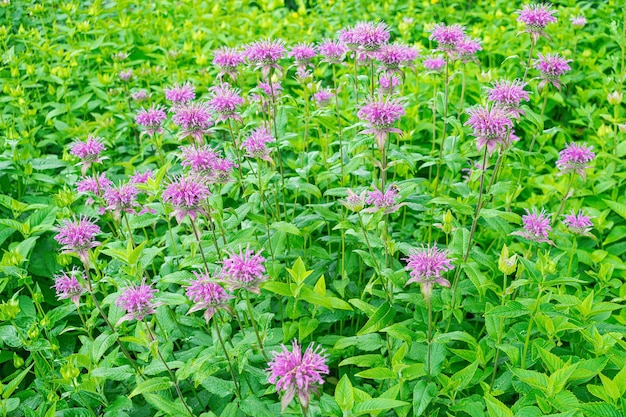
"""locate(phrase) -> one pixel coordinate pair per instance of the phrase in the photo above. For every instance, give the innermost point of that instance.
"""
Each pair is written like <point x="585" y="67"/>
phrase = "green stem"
<point x="230" y="365"/>
<point x="197" y="235"/>
<point x="500" y="329"/>
<point x="255" y="327"/>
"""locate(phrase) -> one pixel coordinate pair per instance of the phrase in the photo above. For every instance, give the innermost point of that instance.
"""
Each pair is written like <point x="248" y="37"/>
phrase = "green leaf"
<point x="382" y="318"/>
<point x="344" y="396"/>
<point x="457" y="206"/>
<point x="151" y="385"/>
<point x="376" y="405"/>
<point x="102" y="343"/>
<point x="15" y="382"/>
<point x="252" y="406"/>
<point x="423" y="394"/>
<point x="286" y="227"/>
<point x="496" y="408"/>
<point x="509" y="310"/>
<point x="169" y="407"/>
<point x="119" y="373"/>
<point x="600" y="410"/>
<point x="279" y="288"/>
<point x="616" y="207"/>
<point x="377" y="373"/>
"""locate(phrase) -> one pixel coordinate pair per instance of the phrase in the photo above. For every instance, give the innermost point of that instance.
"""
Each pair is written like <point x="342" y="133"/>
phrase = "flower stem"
<point x="529" y="329"/>
<point x="530" y="56"/>
<point x="236" y="146"/>
<point x="356" y="77"/>
<point x="564" y="199"/>
<point x="571" y="256"/>
<point x="338" y="122"/>
<point x="197" y="235"/>
<point x="262" y="195"/>
<point x="429" y="338"/>
<point x="500" y="329"/>
<point x="255" y="327"/>
<point x="230" y="365"/>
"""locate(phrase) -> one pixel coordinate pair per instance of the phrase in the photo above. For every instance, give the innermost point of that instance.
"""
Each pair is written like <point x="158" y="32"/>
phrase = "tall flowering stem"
<point x="564" y="198"/>
<point x="197" y="235"/>
<point x="445" y="124"/>
<point x="336" y="90"/>
<point x="230" y="365"/>
<point x="255" y="326"/>
<point x="236" y="146"/>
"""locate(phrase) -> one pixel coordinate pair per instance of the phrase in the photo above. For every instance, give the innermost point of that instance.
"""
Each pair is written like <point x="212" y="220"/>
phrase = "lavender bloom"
<point x="244" y="270"/>
<point x="180" y="93"/>
<point x="578" y="21"/>
<point x="200" y="159"/>
<point x="194" y="119"/>
<point x="141" y="177"/>
<point x="206" y="295"/>
<point x="393" y="56"/>
<point x="222" y="171"/>
<point x="578" y="224"/>
<point x="425" y="267"/>
<point x="536" y="226"/>
<point x="264" y="55"/>
<point x="256" y="144"/>
<point x="380" y="115"/>
<point x="94" y="184"/>
<point x="67" y="286"/>
<point x="151" y="119"/>
<point x="122" y="199"/>
<point x="466" y="49"/>
<point x="355" y="202"/>
<point x="186" y="194"/>
<point x="575" y="158"/>
<point x="388" y="83"/>
<point x="536" y="17"/>
<point x="383" y="200"/>
<point x="365" y="36"/>
<point x="323" y="97"/>
<point x="225" y="101"/>
<point x="491" y="126"/>
<point x="447" y="37"/>
<point x="303" y="53"/>
<point x="78" y="236"/>
<point x="228" y="59"/>
<point x="270" y="90"/>
<point x="434" y="63"/>
<point x="125" y="76"/>
<point x="508" y="95"/>
<point x="299" y="374"/>
<point x="139" y="95"/>
<point x="552" y="66"/>
<point x="88" y="151"/>
<point x="333" y="52"/>
<point x="120" y="56"/>
<point x="138" y="301"/>
<point x="303" y="74"/>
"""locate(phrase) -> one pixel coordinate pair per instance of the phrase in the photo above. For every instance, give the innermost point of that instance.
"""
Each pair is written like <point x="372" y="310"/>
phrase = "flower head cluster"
<point x="425" y="267"/>
<point x="355" y="202"/>
<point x="536" y="226"/>
<point x="575" y="158"/>
<point x="225" y="101"/>
<point x="388" y="82"/>
<point x="180" y="93"/>
<point x="323" y="97"/>
<point x="151" y="119"/>
<point x="139" y="95"/>
<point x="380" y="115"/>
<point x="222" y="171"/>
<point x="383" y="200"/>
<point x="88" y="151"/>
<point x="303" y="53"/>
<point x="255" y="145"/>
<point x="200" y="159"/>
<point x="491" y="126"/>
<point x="186" y="194"/>
<point x="244" y="270"/>
<point x="78" y="235"/>
<point x="265" y="54"/>
<point x="206" y="295"/>
<point x="333" y="52"/>
<point x="447" y="37"/>
<point x="508" y="95"/>
<point x="67" y="286"/>
<point x="125" y="76"/>
<point x="138" y="301"/>
<point x="466" y="49"/>
<point x="578" y="223"/>
<point x="194" y="119"/>
<point x="393" y="56"/>
<point x="122" y="199"/>
<point x="141" y="177"/>
<point x="297" y="374"/>
<point x="578" y="21"/>
<point x="536" y="17"/>
<point x="94" y="184"/>
<point x="552" y="66"/>
<point x="228" y="59"/>
<point x="434" y="63"/>
<point x="271" y="90"/>
<point x="365" y="36"/>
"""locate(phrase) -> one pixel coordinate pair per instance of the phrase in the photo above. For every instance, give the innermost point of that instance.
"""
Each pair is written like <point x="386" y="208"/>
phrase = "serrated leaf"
<point x="376" y="405"/>
<point x="286" y="227"/>
<point x="382" y="318"/>
<point x="377" y="373"/>
<point x="423" y="394"/>
<point x="169" y="407"/>
<point x="344" y="396"/>
<point x="509" y="310"/>
<point x="600" y="410"/>
<point x="102" y="343"/>
<point x="151" y="385"/>
<point x="496" y="408"/>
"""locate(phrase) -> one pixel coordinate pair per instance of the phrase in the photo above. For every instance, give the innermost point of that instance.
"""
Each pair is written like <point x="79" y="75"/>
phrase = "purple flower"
<point x="126" y="75"/>
<point x="222" y="171"/>
<point x="425" y="267"/>
<point x="186" y="194"/>
<point x="552" y="66"/>
<point x="180" y="93"/>
<point x="206" y="295"/>
<point x="365" y="36"/>
<point x="380" y="115"/>
<point x="434" y="63"/>
<point x="194" y="119"/>
<point x="78" y="236"/>
<point x="536" y="226"/>
<point x="200" y="159"/>
<point x="303" y="53"/>
<point x="137" y="301"/>
<point x="256" y="144"/>
<point x="508" y="95"/>
<point x="225" y="101"/>
<point x="94" y="184"/>
<point x="578" y="224"/>
<point x="88" y="151"/>
<point x="122" y="199"/>
<point x="536" y="17"/>
<point x="120" y="56"/>
<point x="151" y="119"/>
<point x="323" y="97"/>
<point x="578" y="21"/>
<point x="575" y="158"/>
<point x="356" y="202"/>
<point x="299" y="374"/>
<point x="466" y="49"/>
<point x="228" y="59"/>
<point x="264" y="55"/>
<point x="244" y="270"/>
<point x="388" y="83"/>
<point x="139" y="95"/>
<point x="447" y="37"/>
<point x="383" y="200"/>
<point x="67" y="286"/>
<point x="491" y="126"/>
<point x="333" y="52"/>
<point x="393" y="56"/>
<point x="270" y="90"/>
<point x="141" y="177"/>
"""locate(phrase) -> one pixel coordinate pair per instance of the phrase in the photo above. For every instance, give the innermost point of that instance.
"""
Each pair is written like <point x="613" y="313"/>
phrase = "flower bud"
<point x="614" y="98"/>
<point x="506" y="264"/>
<point x="69" y="371"/>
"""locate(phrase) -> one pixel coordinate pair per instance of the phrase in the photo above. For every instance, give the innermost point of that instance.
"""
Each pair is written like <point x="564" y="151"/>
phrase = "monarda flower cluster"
<point x="206" y="295"/>
<point x="365" y="36"/>
<point x="379" y="116"/>
<point x="491" y="126"/>
<point x="88" y="152"/>
<point x="426" y="266"/>
<point x="78" y="236"/>
<point x="244" y="270"/>
<point x="187" y="195"/>
<point x="228" y="60"/>
<point x="552" y="67"/>
<point x="578" y="223"/>
<point x="536" y="226"/>
<point x="194" y="119"/>
<point x="536" y="17"/>
<point x="265" y="54"/>
<point x="255" y="145"/>
<point x="137" y="301"/>
<point x="152" y="119"/>
<point x="67" y="286"/>
<point x="508" y="95"/>
<point x="575" y="158"/>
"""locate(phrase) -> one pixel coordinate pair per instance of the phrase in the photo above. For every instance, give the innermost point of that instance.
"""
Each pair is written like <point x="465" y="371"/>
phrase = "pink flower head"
<point x="200" y="159"/>
<point x="383" y="200"/>
<point x="139" y="95"/>
<point x="467" y="48"/>
<point x="274" y="89"/>
<point x="194" y="119"/>
<point x="88" y="151"/>
<point x="447" y="37"/>
<point x="508" y="95"/>
<point x="578" y="21"/>
<point x="206" y="295"/>
<point x="141" y="177"/>
<point x="78" y="236"/>
<point x="151" y="119"/>
<point x="356" y="202"/>
<point x="303" y="53"/>
<point x="122" y="199"/>
<point x="434" y="63"/>
<point x="536" y="17"/>
<point x="323" y="97"/>
<point x="365" y="36"/>
<point x="425" y="267"/>
<point x="137" y="301"/>
<point x="94" y="184"/>
<point x="552" y="66"/>
<point x="575" y="158"/>
<point x="222" y="171"/>
<point x="256" y="144"/>
<point x="299" y="374"/>
<point x="388" y="83"/>
<point x="578" y="224"/>
<point x="225" y="101"/>
<point x="186" y="194"/>
<point x="536" y="226"/>
<point x="67" y="286"/>
<point x="120" y="56"/>
<point x="244" y="270"/>
<point x="265" y="54"/>
<point x="379" y="116"/>
<point x="393" y="56"/>
<point x="228" y="59"/>
<point x="126" y="75"/>
<point x="491" y="126"/>
<point x="180" y="93"/>
<point x="333" y="52"/>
